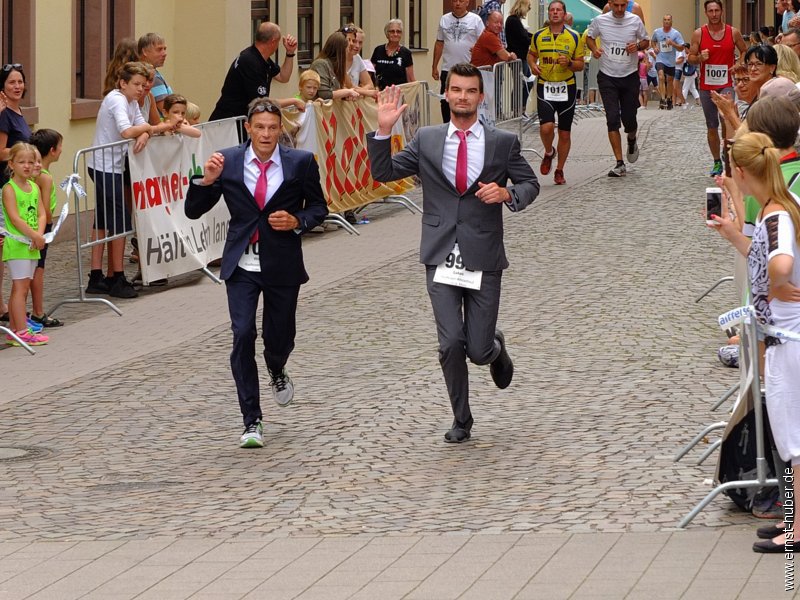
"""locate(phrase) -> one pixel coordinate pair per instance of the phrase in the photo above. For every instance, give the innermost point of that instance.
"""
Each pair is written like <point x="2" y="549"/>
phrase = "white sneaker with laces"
<point x="282" y="388"/>
<point x="253" y="436"/>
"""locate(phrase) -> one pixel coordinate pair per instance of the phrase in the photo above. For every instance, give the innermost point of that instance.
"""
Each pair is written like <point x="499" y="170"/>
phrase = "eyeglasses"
<point x="263" y="107"/>
<point x="401" y="31"/>
<point x="755" y="65"/>
<point x="740" y="80"/>
<point x="15" y="66"/>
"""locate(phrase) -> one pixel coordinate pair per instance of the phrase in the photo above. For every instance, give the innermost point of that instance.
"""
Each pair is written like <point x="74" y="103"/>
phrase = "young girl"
<point x="309" y="85"/>
<point x="175" y="114"/>
<point x="643" y="87"/>
<point x="119" y="118"/>
<point x="48" y="143"/>
<point x="24" y="216"/>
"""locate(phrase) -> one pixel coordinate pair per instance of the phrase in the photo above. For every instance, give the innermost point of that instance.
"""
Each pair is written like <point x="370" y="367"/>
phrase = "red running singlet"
<point x="715" y="73"/>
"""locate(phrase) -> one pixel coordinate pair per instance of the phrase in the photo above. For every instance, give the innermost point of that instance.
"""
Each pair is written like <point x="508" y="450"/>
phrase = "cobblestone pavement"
<point x="615" y="369"/>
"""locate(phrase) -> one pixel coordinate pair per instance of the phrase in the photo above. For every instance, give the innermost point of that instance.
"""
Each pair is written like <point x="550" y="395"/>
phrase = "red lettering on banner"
<point x="158" y="191"/>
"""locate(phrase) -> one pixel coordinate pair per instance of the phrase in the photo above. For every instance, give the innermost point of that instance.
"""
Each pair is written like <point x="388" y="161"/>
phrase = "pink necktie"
<point x="461" y="162"/>
<point x="261" y="190"/>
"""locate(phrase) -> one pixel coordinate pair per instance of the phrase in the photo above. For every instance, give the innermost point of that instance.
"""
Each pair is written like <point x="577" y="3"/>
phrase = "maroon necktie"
<point x="261" y="191"/>
<point x="461" y="162"/>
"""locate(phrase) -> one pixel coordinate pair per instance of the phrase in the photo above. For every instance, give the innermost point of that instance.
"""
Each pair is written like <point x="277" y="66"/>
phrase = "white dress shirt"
<point x="476" y="150"/>
<point x="252" y="172"/>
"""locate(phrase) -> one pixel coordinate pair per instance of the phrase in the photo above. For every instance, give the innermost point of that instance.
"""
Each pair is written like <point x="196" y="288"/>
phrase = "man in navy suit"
<point x="274" y="195"/>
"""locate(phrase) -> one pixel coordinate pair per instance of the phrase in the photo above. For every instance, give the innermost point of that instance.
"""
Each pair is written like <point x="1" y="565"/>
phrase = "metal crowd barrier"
<point x="101" y="158"/>
<point x="748" y="360"/>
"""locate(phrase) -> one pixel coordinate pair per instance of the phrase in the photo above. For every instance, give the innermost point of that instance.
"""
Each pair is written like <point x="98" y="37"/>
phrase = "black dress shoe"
<point x="502" y="369"/>
<point x="768" y="547"/>
<point x="457" y="435"/>
<point x="768" y="532"/>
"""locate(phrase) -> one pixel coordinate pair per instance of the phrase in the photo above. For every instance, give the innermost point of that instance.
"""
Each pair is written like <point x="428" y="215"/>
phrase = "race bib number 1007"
<point x="716" y="74"/>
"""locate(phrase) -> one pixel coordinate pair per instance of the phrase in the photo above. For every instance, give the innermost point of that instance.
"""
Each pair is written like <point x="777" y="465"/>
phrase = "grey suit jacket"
<point x="449" y="216"/>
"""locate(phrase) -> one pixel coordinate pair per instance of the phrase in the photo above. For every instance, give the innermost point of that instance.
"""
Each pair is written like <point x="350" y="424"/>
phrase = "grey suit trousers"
<point x="465" y="323"/>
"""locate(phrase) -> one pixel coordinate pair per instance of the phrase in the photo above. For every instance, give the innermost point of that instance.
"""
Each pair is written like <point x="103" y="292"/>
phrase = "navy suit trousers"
<point x="278" y="326"/>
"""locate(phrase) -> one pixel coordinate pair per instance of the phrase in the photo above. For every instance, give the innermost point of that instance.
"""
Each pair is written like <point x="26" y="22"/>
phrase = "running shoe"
<point x="716" y="169"/>
<point x="669" y="103"/>
<point x="618" y="171"/>
<point x="547" y="162"/>
<point x="729" y="356"/>
<point x="282" y="388"/>
<point x="633" y="151"/>
<point x="33" y="326"/>
<point x="661" y="104"/>
<point x="558" y="177"/>
<point x="30" y="338"/>
<point x="253" y="436"/>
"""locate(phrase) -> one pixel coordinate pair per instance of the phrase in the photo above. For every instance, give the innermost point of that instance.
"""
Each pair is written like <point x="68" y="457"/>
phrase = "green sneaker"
<point x="716" y="169"/>
<point x="253" y="436"/>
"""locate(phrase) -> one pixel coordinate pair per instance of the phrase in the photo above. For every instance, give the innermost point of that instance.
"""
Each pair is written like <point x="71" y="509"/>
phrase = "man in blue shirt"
<point x="666" y="40"/>
<point x="153" y="49"/>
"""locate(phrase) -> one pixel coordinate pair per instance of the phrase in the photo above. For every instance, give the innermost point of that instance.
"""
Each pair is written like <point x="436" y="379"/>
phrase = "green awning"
<point x="583" y="12"/>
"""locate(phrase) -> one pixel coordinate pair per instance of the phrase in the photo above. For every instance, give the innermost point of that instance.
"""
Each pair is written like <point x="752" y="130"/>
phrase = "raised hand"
<point x="213" y="168"/>
<point x="290" y="44"/>
<point x="389" y="109"/>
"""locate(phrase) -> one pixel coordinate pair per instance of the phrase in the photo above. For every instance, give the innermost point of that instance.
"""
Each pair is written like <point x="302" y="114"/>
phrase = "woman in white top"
<point x="355" y="65"/>
<point x="773" y="263"/>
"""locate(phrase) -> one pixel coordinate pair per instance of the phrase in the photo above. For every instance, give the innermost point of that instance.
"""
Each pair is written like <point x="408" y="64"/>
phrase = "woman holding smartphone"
<point x="773" y="263"/>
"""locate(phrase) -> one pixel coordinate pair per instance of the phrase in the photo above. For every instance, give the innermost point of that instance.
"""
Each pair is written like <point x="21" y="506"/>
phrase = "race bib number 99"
<point x="716" y="74"/>
<point x="555" y="91"/>
<point x="453" y="272"/>
<point x="663" y="46"/>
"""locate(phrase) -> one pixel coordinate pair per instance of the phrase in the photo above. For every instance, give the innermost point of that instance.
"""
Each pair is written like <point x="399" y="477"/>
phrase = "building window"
<point x="305" y="31"/>
<point x="347" y="12"/>
<point x="18" y="46"/>
<point x="415" y="18"/>
<point x="98" y="26"/>
<point x="261" y="11"/>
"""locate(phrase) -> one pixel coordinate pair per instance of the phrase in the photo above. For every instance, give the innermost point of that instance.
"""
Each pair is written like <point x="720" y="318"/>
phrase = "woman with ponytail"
<point x="773" y="262"/>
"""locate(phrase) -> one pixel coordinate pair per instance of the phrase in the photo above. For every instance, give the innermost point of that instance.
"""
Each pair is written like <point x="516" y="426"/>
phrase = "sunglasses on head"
<point x="264" y="107"/>
<point x="348" y="30"/>
<point x="8" y="66"/>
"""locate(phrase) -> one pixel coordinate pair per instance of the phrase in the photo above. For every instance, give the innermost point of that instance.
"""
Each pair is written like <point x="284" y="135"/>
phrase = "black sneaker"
<point x="350" y="217"/>
<point x="98" y="285"/>
<point x="669" y="103"/>
<point x="122" y="288"/>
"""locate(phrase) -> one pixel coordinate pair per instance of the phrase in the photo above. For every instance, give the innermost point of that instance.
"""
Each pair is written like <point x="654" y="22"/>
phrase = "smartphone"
<point x="713" y="204"/>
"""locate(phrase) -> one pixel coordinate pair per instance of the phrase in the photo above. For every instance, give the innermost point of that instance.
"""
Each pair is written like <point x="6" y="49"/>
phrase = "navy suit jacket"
<point x="300" y="194"/>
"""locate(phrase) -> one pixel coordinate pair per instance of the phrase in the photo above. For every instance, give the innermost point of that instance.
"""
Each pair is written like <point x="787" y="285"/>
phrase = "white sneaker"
<point x="253" y="436"/>
<point x="618" y="171"/>
<point x="282" y="388"/>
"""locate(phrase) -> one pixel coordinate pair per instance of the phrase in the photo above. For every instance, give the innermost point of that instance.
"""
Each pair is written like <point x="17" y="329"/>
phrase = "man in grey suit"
<point x="464" y="167"/>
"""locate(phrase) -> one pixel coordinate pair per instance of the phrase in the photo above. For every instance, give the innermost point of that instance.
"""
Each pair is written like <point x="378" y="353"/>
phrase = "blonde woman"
<point x="355" y="66"/>
<point x="788" y="63"/>
<point x="519" y="38"/>
<point x="773" y="261"/>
